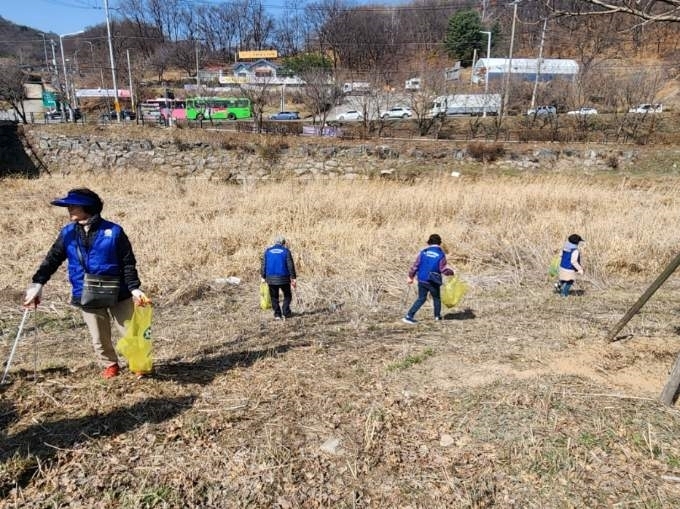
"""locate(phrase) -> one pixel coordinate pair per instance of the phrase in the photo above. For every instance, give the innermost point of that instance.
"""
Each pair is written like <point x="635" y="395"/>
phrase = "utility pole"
<point x="47" y="63"/>
<point x="474" y="61"/>
<point x="63" y="64"/>
<point x="116" y="104"/>
<point x="486" y="76"/>
<point x="132" y="96"/>
<point x="512" y="43"/>
<point x="54" y="59"/>
<point x="538" y="64"/>
<point x="198" y="77"/>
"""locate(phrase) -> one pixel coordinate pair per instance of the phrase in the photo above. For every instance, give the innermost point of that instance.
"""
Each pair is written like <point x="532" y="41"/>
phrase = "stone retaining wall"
<point x="273" y="158"/>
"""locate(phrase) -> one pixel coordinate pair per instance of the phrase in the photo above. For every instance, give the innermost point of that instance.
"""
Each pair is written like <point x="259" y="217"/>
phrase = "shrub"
<point x="485" y="152"/>
<point x="613" y="161"/>
<point x="180" y="143"/>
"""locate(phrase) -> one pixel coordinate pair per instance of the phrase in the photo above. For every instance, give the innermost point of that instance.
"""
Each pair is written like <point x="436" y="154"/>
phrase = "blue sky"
<point x="61" y="16"/>
<point x="55" y="16"/>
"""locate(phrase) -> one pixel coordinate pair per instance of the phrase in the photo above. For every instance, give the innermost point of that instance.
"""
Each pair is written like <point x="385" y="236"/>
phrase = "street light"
<point x="116" y="105"/>
<point x="486" y="77"/>
<point x="512" y="43"/>
<point x="63" y="64"/>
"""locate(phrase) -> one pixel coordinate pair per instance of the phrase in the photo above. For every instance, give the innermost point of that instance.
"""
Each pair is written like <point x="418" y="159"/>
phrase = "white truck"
<point x="356" y="88"/>
<point x="466" y="104"/>
<point x="647" y="108"/>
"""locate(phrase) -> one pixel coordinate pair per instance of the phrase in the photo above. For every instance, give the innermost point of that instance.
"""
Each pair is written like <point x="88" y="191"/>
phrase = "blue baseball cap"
<point x="75" y="198"/>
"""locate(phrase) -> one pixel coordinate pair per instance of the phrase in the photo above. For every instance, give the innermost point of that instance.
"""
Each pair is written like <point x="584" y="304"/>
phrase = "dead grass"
<point x="514" y="400"/>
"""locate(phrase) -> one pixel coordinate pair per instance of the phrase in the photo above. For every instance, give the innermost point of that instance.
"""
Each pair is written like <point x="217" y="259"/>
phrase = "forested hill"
<point x="22" y="43"/>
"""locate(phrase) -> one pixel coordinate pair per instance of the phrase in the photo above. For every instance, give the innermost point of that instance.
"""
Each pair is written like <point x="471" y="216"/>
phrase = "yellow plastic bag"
<point x="554" y="268"/>
<point x="265" y="298"/>
<point x="452" y="291"/>
<point x="135" y="346"/>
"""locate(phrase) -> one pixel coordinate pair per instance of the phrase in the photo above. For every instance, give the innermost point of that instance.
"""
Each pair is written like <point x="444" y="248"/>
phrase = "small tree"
<point x="303" y="62"/>
<point x="12" y="89"/>
<point x="464" y="35"/>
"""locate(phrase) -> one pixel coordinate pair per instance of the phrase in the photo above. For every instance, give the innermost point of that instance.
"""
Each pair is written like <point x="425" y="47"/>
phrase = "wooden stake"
<point x="670" y="391"/>
<point x="644" y="297"/>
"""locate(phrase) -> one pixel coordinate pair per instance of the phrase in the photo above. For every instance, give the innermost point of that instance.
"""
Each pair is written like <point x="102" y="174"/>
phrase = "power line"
<point x="78" y="5"/>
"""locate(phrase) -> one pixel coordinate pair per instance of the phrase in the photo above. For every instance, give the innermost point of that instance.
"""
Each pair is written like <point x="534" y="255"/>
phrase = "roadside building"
<point x="525" y="69"/>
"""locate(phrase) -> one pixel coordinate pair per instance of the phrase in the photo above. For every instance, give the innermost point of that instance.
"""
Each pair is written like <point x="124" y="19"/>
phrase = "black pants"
<point x="287" y="297"/>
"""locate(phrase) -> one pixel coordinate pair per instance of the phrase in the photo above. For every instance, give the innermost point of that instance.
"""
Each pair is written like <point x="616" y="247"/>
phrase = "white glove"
<point x="33" y="293"/>
<point x="140" y="297"/>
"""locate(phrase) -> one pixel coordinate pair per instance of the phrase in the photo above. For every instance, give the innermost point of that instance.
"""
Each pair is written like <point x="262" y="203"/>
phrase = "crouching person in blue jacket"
<point x="570" y="264"/>
<point x="428" y="266"/>
<point x="278" y="270"/>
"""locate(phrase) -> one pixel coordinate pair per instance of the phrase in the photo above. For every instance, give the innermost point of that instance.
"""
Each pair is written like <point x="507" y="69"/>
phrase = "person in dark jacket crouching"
<point x="278" y="270"/>
<point x="96" y="248"/>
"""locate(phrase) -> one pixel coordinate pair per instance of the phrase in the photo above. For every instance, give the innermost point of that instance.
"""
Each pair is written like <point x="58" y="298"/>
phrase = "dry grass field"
<point x="514" y="400"/>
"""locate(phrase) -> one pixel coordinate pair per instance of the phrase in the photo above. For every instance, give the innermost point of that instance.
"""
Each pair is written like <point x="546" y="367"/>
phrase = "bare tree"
<point x="366" y="39"/>
<point x="216" y="27"/>
<point x="184" y="55"/>
<point x="289" y="32"/>
<point x="320" y="18"/>
<point x="260" y="95"/>
<point x="260" y="25"/>
<point x="160" y="60"/>
<point x="319" y="92"/>
<point x="651" y="10"/>
<point x="12" y="87"/>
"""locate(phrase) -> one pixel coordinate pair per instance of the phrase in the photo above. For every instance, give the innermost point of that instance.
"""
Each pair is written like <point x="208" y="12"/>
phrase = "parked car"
<point x="111" y="116"/>
<point x="583" y="111"/>
<point x="286" y="115"/>
<point x="542" y="111"/>
<point x="647" y="108"/>
<point x="350" y="115"/>
<point x="57" y="114"/>
<point x="398" y="112"/>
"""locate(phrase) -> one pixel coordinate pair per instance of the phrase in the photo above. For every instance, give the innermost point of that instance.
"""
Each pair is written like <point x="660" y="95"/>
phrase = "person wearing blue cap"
<point x="99" y="255"/>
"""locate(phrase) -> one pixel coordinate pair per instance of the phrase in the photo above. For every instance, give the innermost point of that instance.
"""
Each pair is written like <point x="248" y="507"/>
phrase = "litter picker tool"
<point x="407" y="290"/>
<point x="14" y="346"/>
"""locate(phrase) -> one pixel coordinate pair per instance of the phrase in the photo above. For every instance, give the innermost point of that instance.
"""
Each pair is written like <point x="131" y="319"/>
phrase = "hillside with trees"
<point x="620" y="53"/>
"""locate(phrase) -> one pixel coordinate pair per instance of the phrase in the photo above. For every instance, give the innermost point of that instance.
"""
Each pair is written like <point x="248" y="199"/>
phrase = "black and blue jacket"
<point x="105" y="250"/>
<point x="429" y="265"/>
<point x="277" y="267"/>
